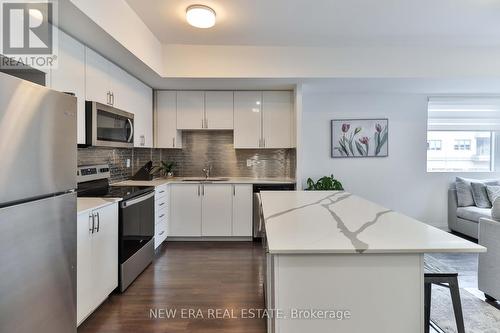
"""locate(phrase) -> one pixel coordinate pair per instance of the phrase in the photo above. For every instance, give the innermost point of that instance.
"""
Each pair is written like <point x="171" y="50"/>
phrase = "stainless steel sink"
<point x="206" y="180"/>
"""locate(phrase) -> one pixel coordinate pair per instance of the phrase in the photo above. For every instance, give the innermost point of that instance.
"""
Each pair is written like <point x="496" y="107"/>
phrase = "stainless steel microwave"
<point x="107" y="126"/>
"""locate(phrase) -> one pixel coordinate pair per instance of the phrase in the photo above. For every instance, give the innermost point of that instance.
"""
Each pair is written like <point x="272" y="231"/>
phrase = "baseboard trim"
<point x="209" y="239"/>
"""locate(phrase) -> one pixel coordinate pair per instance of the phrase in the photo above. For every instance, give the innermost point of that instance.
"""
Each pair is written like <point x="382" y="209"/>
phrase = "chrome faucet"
<point x="206" y="170"/>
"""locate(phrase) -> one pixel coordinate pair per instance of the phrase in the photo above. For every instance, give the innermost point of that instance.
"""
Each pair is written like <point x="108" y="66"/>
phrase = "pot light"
<point x="200" y="16"/>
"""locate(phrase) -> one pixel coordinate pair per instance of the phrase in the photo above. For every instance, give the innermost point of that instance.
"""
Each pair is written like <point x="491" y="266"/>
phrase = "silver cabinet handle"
<point x="98" y="221"/>
<point x="163" y="191"/>
<point x="234" y="190"/>
<point x="161" y="233"/>
<point x="112" y="98"/>
<point x="91" y="226"/>
<point x="173" y="142"/>
<point x="161" y="204"/>
<point x="202" y="123"/>
<point x="206" y="122"/>
<point x="108" y="98"/>
<point x="203" y="190"/>
<point x="199" y="190"/>
<point x="161" y="216"/>
<point x="264" y="140"/>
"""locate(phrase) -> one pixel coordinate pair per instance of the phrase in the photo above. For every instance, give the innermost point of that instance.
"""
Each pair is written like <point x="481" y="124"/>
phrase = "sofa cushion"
<point x="480" y="194"/>
<point x="495" y="210"/>
<point x="464" y="192"/>
<point x="473" y="213"/>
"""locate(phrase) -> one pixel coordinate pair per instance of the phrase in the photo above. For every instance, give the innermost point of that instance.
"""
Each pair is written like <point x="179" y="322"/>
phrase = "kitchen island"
<point x="340" y="263"/>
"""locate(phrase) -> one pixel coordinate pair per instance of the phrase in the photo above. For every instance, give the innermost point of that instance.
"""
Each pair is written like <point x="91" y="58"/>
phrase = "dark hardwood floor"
<point x="216" y="275"/>
<point x="194" y="275"/>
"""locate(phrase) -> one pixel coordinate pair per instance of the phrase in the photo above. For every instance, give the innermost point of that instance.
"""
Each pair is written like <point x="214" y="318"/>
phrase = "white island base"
<point x="369" y="293"/>
<point x="333" y="254"/>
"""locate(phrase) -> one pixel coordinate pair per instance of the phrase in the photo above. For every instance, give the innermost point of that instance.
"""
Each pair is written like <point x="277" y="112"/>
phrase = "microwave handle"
<point x="131" y="130"/>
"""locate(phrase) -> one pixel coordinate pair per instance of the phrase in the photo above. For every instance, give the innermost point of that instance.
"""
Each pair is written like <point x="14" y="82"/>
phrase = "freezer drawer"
<point x="38" y="266"/>
<point x="37" y="140"/>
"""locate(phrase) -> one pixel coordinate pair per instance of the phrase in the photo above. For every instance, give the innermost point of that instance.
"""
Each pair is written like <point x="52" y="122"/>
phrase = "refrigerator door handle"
<point x="91" y="226"/>
<point x="98" y="221"/>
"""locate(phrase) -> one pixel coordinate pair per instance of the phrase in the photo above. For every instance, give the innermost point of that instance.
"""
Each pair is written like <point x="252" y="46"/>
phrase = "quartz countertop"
<point x="186" y="180"/>
<point x="339" y="222"/>
<point x="85" y="204"/>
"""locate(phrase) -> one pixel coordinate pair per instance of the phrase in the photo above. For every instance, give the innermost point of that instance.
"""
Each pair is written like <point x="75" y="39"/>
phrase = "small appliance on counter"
<point x="137" y="219"/>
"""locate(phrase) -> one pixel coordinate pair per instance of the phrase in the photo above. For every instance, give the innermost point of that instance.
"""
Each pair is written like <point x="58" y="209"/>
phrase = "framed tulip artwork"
<point x="360" y="138"/>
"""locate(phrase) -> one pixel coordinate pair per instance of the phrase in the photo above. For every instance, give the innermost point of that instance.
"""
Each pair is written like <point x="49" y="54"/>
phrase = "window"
<point x="434" y="145"/>
<point x="462" y="145"/>
<point x="461" y="133"/>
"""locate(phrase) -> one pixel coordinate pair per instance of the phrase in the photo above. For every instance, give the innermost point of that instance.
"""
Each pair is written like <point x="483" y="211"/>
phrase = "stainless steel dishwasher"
<point x="257" y="188"/>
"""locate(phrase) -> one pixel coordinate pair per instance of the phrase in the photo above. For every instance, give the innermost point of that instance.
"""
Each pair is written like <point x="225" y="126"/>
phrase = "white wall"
<point x="400" y="181"/>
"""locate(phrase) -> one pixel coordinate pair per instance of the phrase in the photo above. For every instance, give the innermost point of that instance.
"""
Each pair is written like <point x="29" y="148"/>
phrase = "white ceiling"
<point x="328" y="22"/>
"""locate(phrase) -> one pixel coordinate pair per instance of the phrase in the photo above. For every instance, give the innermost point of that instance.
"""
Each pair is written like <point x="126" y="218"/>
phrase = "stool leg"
<point x="457" y="305"/>
<point x="427" y="306"/>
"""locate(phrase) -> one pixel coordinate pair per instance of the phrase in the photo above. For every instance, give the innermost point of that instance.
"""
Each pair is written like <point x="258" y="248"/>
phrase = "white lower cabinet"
<point x="242" y="210"/>
<point x="97" y="258"/>
<point x="217" y="210"/>
<point x="210" y="210"/>
<point x="186" y="210"/>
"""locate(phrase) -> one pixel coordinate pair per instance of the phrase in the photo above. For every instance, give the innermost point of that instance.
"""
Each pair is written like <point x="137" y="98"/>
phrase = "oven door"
<point x="136" y="224"/>
<point x="108" y="126"/>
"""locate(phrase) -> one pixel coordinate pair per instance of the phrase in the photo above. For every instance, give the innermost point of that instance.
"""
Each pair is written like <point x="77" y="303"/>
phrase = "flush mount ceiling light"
<point x="200" y="16"/>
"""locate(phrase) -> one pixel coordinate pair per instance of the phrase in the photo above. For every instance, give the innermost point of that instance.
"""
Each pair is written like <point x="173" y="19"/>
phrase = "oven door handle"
<point x="132" y="202"/>
<point x="131" y="130"/>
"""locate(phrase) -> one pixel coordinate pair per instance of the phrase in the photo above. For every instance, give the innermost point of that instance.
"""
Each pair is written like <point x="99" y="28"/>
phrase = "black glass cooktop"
<point x="124" y="192"/>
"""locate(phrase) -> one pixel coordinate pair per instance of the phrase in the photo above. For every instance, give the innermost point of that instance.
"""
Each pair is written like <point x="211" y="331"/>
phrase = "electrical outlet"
<point x="128" y="162"/>
<point x="249" y="163"/>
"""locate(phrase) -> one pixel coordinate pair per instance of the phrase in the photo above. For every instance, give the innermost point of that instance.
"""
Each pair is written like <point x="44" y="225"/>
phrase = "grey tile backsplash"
<point x="199" y="148"/>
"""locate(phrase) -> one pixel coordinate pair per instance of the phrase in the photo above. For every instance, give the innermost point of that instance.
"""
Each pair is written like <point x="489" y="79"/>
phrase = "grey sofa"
<point x="464" y="220"/>
<point x="489" y="270"/>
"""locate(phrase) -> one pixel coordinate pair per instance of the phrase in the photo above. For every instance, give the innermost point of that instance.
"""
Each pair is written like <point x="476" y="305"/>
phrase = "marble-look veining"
<point x="340" y="222"/>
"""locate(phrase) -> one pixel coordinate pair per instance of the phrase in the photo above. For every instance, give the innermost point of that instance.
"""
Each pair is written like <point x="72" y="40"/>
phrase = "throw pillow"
<point x="493" y="192"/>
<point x="464" y="192"/>
<point x="495" y="210"/>
<point x="480" y="194"/>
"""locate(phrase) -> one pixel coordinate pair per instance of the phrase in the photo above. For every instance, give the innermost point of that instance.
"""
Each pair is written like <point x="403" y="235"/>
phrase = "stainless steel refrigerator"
<point x="37" y="208"/>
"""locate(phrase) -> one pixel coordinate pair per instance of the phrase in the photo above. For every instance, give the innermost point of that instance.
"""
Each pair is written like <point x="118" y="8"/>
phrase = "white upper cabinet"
<point x="190" y="110"/>
<point x="69" y="76"/>
<point x="247" y="119"/>
<point x="109" y="84"/>
<point x="97" y="78"/>
<point x="263" y="119"/>
<point x="216" y="210"/>
<point x="166" y="133"/>
<point x="277" y="119"/>
<point x="219" y="108"/>
<point x="143" y="115"/>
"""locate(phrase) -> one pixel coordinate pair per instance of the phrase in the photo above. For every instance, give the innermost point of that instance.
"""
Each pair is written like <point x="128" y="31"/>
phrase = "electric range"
<point x="136" y="219"/>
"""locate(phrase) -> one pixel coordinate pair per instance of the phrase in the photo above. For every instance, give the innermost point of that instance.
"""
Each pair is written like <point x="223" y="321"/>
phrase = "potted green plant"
<point x="167" y="168"/>
<point x="324" y="184"/>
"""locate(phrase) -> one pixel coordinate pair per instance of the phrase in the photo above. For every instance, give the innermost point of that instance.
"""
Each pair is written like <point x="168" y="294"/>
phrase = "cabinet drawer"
<point x="161" y="215"/>
<point x="161" y="192"/>
<point x="160" y="233"/>
<point x="161" y="203"/>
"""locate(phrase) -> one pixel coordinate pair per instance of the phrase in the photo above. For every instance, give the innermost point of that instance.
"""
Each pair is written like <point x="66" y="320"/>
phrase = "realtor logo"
<point x="26" y="28"/>
<point x="27" y="32"/>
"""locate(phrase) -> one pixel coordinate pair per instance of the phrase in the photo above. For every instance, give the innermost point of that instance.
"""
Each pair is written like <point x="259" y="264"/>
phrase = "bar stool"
<point x="440" y="274"/>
